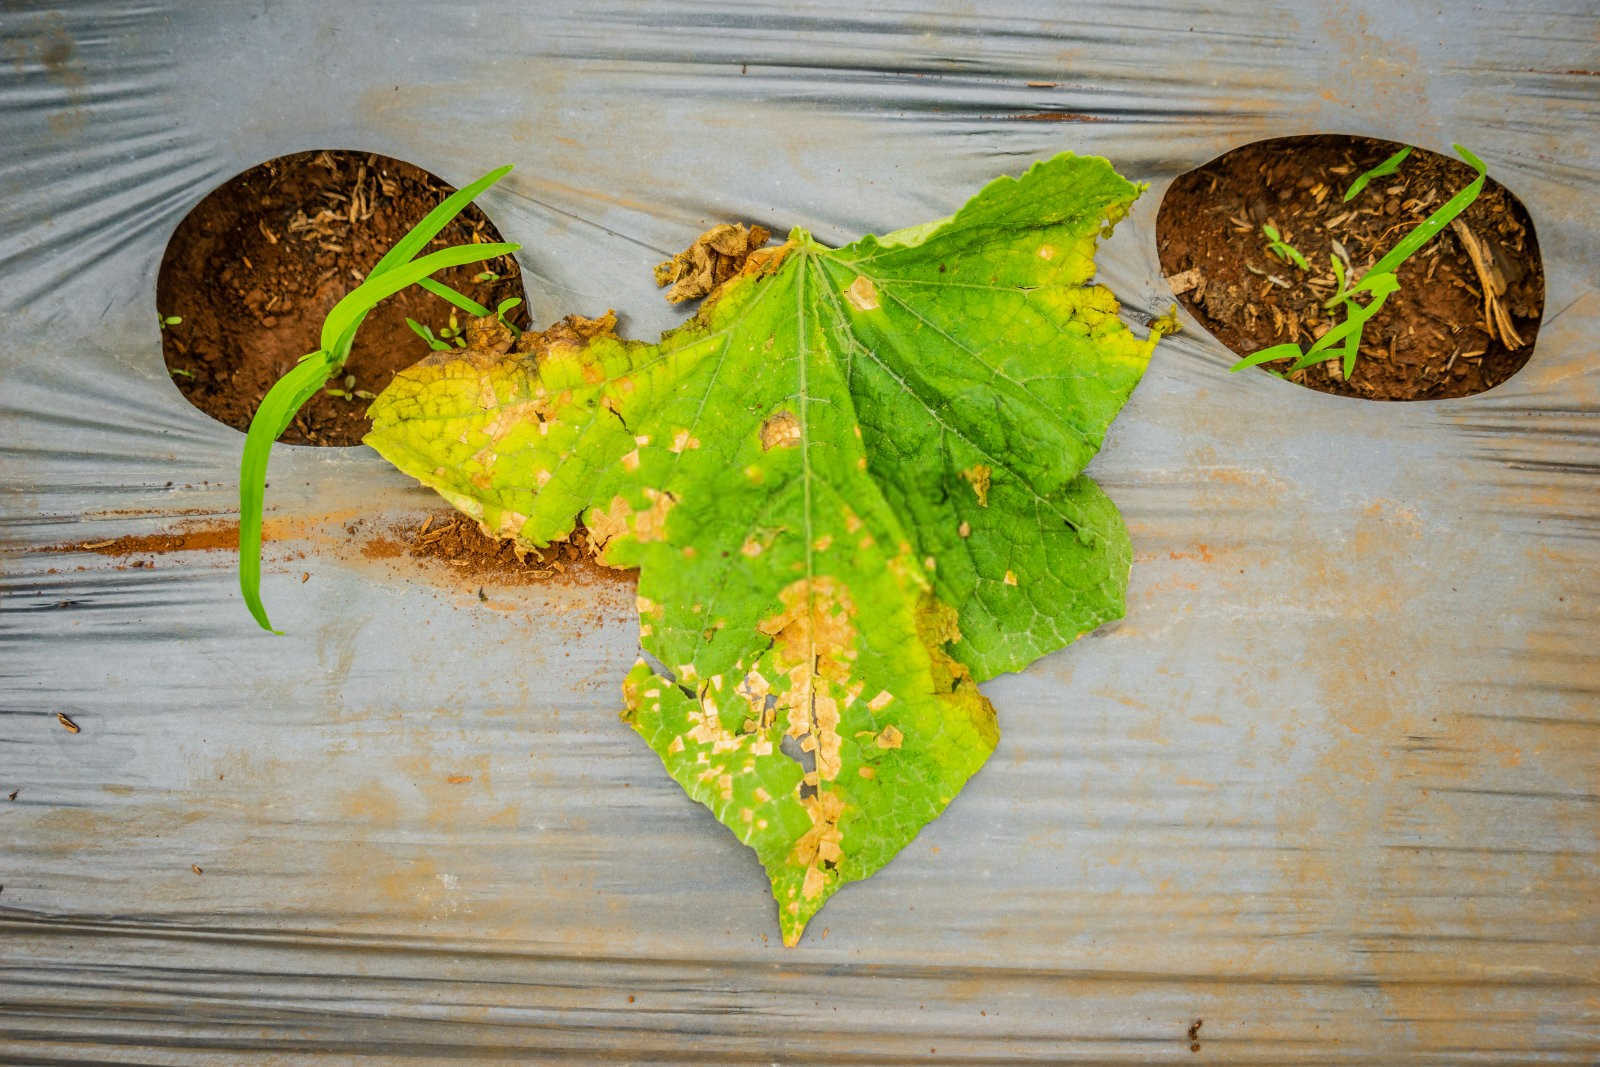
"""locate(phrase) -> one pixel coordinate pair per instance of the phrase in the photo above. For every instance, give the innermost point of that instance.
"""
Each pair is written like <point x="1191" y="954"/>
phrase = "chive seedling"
<point x="1384" y="169"/>
<point x="1378" y="282"/>
<point x="1281" y="248"/>
<point x="400" y="267"/>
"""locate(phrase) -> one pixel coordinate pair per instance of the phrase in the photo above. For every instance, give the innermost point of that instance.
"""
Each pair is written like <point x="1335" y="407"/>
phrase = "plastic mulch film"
<point x="1327" y="794"/>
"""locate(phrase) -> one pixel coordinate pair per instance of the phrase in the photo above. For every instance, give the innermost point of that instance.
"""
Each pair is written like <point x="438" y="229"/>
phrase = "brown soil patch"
<point x="457" y="542"/>
<point x="1435" y="338"/>
<point x="446" y="541"/>
<point x="255" y="267"/>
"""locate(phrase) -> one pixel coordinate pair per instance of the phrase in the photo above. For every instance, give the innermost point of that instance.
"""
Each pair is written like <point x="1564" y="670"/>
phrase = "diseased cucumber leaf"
<point x="851" y="484"/>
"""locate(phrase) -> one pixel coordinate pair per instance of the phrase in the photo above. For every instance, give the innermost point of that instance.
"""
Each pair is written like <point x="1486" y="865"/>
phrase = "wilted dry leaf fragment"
<point x="716" y="256"/>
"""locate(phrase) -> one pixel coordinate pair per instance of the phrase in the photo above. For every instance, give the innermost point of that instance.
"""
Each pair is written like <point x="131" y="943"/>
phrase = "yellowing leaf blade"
<point x="817" y="573"/>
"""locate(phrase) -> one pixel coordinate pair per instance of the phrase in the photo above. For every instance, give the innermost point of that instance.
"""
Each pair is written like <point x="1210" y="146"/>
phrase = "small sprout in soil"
<point x="180" y="372"/>
<point x="1387" y="167"/>
<point x="471" y="306"/>
<point x="1378" y="282"/>
<point x="427" y="335"/>
<point x="486" y="276"/>
<point x="399" y="268"/>
<point x="171" y="320"/>
<point x="452" y="332"/>
<point x="505" y="307"/>
<point x="1281" y="248"/>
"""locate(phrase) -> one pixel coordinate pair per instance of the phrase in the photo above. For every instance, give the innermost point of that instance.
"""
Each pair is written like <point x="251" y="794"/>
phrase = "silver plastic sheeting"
<point x="1331" y="787"/>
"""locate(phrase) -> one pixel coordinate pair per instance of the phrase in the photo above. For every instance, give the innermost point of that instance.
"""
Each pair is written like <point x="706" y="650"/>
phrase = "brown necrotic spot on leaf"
<point x="609" y="523"/>
<point x="510" y="525"/>
<point x="619" y="518"/>
<point x="862" y="294"/>
<point x="977" y="476"/>
<point x="651" y="523"/>
<point x="780" y="431"/>
<point x="818" y="850"/>
<point x="814" y="646"/>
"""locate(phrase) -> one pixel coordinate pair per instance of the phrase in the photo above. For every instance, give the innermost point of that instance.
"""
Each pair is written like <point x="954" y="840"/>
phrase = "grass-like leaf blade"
<point x="347" y="313"/>
<point x="394" y="272"/>
<point x="1387" y="167"/>
<point x="1266" y="355"/>
<point x="1425" y="230"/>
<point x="278" y="408"/>
<point x="454" y="296"/>
<point x="1429" y="227"/>
<point x="1382" y="285"/>
<point x="419" y="235"/>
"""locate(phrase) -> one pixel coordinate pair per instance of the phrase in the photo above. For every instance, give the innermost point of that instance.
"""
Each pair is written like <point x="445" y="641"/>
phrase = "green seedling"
<point x="452" y="332"/>
<point x="1382" y="170"/>
<point x="349" y="390"/>
<point x="180" y="372"/>
<point x="171" y="320"/>
<point x="1379" y="283"/>
<point x="486" y="276"/>
<point x="426" y="333"/>
<point x="447" y="334"/>
<point x="1281" y="248"/>
<point x="506" y="306"/>
<point x="399" y="268"/>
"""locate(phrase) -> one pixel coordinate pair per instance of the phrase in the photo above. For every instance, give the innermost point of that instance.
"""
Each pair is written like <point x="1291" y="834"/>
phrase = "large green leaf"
<point x="851" y="485"/>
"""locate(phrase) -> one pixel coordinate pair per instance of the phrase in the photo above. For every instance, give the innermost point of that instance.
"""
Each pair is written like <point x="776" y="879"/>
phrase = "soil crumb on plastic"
<point x="457" y="542"/>
<point x="445" y="546"/>
<point x="1057" y="116"/>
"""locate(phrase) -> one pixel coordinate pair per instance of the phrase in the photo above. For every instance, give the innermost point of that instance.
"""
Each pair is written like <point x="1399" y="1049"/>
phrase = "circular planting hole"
<point x="1437" y="336"/>
<point x="252" y="270"/>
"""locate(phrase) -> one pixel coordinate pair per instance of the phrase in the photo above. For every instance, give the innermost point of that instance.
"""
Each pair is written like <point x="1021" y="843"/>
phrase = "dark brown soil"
<point x="450" y="538"/>
<point x="1434" y="338"/>
<point x="257" y="264"/>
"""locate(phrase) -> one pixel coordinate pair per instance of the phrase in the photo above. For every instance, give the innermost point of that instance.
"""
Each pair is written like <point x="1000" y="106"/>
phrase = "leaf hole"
<point x="795" y="748"/>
